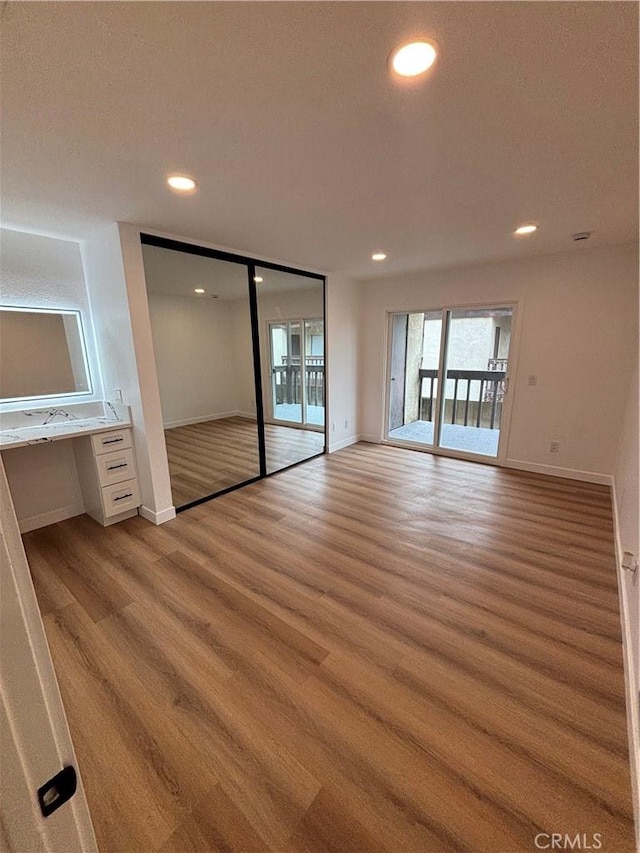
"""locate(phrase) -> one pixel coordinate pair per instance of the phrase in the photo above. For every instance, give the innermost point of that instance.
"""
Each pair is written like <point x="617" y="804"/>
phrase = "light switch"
<point x="533" y="379"/>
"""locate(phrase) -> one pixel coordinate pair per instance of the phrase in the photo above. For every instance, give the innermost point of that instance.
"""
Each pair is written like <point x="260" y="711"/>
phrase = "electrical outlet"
<point x="554" y="447"/>
<point x="333" y="427"/>
<point x="346" y="424"/>
<point x="117" y="395"/>
<point x="532" y="379"/>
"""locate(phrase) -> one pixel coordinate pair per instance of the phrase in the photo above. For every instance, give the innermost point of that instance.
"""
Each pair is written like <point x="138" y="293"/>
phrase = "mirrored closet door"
<point x="201" y="327"/>
<point x="239" y="352"/>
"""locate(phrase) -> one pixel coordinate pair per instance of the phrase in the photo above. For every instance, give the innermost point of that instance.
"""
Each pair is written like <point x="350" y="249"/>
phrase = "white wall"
<point x="196" y="353"/>
<point x="344" y="374"/>
<point x="112" y="259"/>
<point x="40" y="272"/>
<point x="575" y="330"/>
<point x="242" y="347"/>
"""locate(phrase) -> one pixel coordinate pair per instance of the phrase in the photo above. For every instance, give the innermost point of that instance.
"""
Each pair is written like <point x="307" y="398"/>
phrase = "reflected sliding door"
<point x="448" y="373"/>
<point x="297" y="372"/>
<point x="291" y="323"/>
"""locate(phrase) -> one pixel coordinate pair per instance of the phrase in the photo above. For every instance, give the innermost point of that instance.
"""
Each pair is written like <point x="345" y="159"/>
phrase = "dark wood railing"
<point x="463" y="409"/>
<point x="289" y="388"/>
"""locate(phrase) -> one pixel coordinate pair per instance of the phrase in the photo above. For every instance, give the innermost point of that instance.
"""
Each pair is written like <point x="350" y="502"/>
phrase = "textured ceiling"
<point x="305" y="150"/>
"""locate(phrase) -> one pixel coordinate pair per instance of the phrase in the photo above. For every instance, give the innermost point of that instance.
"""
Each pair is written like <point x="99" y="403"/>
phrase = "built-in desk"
<point x="103" y="447"/>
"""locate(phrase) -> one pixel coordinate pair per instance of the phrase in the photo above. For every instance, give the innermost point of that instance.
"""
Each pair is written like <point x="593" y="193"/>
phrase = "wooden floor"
<point x="381" y="650"/>
<point x="211" y="456"/>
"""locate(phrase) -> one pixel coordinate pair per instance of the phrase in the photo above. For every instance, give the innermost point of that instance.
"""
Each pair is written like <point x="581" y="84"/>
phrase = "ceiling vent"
<point x="581" y="235"/>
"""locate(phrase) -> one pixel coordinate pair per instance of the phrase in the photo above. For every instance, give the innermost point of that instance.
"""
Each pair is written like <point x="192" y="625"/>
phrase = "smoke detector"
<point x="581" y="235"/>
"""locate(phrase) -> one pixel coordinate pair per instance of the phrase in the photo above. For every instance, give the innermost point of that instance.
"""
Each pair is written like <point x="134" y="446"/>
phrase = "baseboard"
<point x="631" y="688"/>
<point x="52" y="517"/>
<point x="556" y="471"/>
<point x="339" y="445"/>
<point x="203" y="418"/>
<point x="157" y="517"/>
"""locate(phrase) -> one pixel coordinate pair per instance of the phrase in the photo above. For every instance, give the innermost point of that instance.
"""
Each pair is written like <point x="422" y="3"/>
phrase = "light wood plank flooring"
<point x="211" y="456"/>
<point x="380" y="650"/>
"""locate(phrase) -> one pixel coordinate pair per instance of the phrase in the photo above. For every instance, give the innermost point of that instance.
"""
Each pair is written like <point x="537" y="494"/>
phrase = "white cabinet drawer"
<point x="120" y="497"/>
<point x="116" y="466"/>
<point x="115" y="439"/>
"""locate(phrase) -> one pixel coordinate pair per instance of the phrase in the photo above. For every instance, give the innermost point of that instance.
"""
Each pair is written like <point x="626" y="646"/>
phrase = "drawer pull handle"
<point x="113" y="440"/>
<point x="114" y="467"/>
<point x="122" y="497"/>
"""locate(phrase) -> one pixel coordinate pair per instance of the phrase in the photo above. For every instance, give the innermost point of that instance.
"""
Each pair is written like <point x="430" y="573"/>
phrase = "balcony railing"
<point x="288" y="387"/>
<point x="477" y="402"/>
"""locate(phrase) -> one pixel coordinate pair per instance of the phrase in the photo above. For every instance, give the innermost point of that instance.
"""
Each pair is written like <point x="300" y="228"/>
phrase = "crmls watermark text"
<point x="566" y="841"/>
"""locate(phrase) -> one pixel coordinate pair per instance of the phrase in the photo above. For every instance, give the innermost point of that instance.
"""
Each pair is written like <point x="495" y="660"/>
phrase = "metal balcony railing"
<point x="288" y="386"/>
<point x="476" y="400"/>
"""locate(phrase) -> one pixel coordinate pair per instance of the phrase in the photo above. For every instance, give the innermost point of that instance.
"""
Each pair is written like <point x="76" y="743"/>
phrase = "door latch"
<point x="57" y="791"/>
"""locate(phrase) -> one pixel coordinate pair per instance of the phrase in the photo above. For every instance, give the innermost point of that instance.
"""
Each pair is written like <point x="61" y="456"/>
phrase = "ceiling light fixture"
<point x="198" y="289"/>
<point x="525" y="229"/>
<point x="414" y="58"/>
<point x="181" y="183"/>
<point x="258" y="279"/>
<point x="378" y="256"/>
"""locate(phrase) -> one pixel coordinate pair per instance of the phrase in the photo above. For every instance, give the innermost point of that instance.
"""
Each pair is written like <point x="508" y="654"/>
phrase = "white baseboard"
<point x="339" y="445"/>
<point x="631" y="687"/>
<point x="157" y="517"/>
<point x="556" y="471"/>
<point x="202" y="418"/>
<point x="52" y="517"/>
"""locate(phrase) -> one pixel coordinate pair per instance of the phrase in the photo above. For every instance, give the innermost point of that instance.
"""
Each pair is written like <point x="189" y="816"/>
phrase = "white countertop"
<point x="38" y="426"/>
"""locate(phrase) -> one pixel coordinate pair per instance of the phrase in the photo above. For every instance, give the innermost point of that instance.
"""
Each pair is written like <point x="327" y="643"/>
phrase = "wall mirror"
<point x="291" y="320"/>
<point x="240" y="355"/>
<point x="201" y="328"/>
<point x="42" y="354"/>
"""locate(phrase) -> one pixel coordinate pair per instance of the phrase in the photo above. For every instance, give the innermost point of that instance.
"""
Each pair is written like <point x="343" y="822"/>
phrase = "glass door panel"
<point x="413" y="385"/>
<point x="313" y="371"/>
<point x="291" y="323"/>
<point x="285" y="372"/>
<point x="477" y="357"/>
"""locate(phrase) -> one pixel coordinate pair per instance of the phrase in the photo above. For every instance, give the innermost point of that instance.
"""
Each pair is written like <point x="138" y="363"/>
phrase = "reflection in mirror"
<point x="42" y="354"/>
<point x="201" y="327"/>
<point x="291" y="321"/>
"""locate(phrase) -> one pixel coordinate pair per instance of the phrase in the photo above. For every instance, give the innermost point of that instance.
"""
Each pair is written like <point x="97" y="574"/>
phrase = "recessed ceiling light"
<point x="413" y="58"/>
<point x="198" y="289"/>
<point x="378" y="256"/>
<point x="258" y="279"/>
<point x="181" y="183"/>
<point x="525" y="229"/>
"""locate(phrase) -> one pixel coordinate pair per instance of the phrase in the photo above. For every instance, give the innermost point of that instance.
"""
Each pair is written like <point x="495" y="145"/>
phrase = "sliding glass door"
<point x="448" y="376"/>
<point x="297" y="371"/>
<point x="290" y="311"/>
